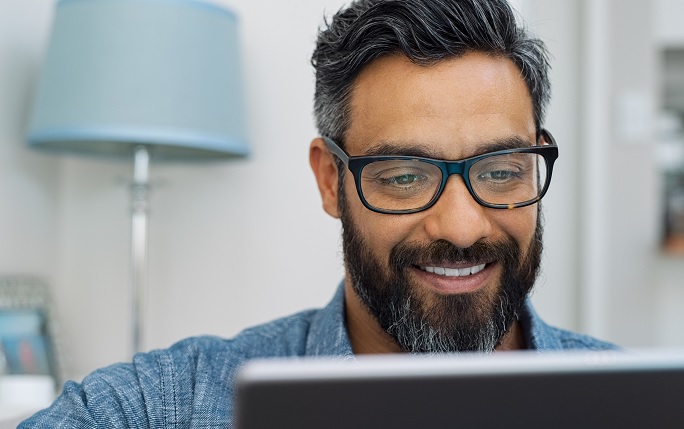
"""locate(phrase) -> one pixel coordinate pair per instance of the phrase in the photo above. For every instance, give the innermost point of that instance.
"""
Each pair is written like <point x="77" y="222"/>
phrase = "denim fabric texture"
<point x="190" y="384"/>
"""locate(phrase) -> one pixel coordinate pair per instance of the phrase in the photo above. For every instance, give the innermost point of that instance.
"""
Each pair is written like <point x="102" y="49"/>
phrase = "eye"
<point x="400" y="174"/>
<point x="385" y="182"/>
<point x="499" y="175"/>
<point x="402" y="180"/>
<point x="502" y="169"/>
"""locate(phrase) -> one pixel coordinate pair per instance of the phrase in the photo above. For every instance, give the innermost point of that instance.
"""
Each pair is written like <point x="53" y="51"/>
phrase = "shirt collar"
<point x="538" y="335"/>
<point x="328" y="332"/>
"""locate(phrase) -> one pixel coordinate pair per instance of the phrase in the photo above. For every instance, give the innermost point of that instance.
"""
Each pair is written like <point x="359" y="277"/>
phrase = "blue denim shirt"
<point x="190" y="385"/>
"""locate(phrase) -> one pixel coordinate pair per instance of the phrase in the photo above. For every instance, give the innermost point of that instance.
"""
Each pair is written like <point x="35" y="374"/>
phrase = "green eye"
<point x="403" y="180"/>
<point x="498" y="175"/>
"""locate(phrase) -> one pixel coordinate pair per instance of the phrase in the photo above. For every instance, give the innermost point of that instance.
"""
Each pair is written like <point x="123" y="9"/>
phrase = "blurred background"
<point x="240" y="242"/>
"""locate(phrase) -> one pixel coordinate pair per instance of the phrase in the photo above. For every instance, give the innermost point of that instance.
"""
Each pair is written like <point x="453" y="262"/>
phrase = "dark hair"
<point x="426" y="31"/>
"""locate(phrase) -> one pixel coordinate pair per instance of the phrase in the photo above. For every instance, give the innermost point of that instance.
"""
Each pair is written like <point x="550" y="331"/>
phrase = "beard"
<point x="425" y="322"/>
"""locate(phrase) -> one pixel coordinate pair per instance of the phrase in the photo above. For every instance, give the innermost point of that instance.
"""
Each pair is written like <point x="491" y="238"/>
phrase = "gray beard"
<point x="415" y="334"/>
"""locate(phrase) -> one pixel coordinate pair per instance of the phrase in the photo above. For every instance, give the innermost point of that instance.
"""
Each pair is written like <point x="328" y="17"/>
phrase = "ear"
<point x="325" y="170"/>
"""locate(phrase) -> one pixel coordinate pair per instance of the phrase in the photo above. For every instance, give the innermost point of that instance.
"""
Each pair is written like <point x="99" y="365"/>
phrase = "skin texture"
<point x="451" y="110"/>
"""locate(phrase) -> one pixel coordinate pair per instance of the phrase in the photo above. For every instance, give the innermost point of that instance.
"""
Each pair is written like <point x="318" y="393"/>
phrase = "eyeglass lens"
<point x="506" y="179"/>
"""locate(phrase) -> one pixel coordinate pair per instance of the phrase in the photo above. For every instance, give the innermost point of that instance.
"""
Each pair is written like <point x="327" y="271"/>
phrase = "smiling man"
<point x="433" y="155"/>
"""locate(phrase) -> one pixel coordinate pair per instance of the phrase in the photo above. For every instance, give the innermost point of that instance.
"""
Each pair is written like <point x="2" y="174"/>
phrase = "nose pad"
<point x="457" y="217"/>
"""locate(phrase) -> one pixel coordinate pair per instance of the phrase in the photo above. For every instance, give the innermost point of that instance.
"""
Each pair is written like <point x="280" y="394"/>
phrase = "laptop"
<point x="501" y="390"/>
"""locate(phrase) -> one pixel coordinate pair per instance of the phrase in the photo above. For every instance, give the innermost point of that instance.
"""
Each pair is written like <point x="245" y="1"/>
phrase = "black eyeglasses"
<point x="504" y="179"/>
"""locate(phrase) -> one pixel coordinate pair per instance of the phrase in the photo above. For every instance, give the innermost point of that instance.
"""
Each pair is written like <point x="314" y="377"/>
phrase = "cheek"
<point x="519" y="223"/>
<point x="381" y="232"/>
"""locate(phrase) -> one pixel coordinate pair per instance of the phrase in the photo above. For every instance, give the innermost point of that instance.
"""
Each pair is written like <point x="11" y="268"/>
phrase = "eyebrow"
<point x="422" y="151"/>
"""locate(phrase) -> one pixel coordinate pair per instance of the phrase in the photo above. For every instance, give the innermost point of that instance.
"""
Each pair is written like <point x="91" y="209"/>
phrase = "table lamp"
<point x="141" y="79"/>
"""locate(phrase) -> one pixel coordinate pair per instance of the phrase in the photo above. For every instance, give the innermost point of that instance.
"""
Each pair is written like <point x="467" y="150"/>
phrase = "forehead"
<point x="449" y="108"/>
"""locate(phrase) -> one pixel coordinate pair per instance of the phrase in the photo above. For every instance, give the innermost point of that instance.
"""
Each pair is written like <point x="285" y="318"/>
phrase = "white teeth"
<point x="451" y="272"/>
<point x="454" y="272"/>
<point x="476" y="269"/>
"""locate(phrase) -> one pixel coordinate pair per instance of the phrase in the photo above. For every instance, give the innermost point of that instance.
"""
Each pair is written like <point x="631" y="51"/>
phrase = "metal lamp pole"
<point x="139" y="203"/>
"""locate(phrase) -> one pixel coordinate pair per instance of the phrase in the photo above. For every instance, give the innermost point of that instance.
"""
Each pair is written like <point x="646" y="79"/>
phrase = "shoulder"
<point x="190" y="381"/>
<point x="199" y="358"/>
<point x="541" y="336"/>
<point x="286" y="336"/>
<point x="575" y="341"/>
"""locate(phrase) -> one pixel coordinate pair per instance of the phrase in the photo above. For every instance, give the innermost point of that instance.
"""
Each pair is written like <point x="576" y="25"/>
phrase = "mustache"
<point x="443" y="251"/>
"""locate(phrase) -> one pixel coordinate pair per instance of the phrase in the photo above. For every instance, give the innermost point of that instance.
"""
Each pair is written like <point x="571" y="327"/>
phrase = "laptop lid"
<point x="511" y="390"/>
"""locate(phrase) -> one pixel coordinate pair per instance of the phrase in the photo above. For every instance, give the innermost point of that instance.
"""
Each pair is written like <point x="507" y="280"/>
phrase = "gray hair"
<point x="425" y="31"/>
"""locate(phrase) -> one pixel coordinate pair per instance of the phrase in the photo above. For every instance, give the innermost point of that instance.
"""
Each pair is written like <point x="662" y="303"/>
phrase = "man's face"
<point x="398" y="265"/>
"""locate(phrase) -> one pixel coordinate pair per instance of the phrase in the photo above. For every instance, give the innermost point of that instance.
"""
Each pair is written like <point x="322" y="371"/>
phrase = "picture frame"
<point x="29" y="342"/>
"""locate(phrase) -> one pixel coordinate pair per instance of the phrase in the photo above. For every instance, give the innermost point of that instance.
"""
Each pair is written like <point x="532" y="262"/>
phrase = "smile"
<point x="454" y="272"/>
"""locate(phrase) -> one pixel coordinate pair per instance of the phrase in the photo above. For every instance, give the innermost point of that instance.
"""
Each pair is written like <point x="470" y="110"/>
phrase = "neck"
<point x="365" y="334"/>
<point x="513" y="340"/>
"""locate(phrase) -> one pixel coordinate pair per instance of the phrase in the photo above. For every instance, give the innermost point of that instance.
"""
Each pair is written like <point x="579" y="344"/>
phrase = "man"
<point x="433" y="155"/>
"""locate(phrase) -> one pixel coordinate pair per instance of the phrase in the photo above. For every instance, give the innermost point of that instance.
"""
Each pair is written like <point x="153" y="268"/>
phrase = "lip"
<point x="454" y="285"/>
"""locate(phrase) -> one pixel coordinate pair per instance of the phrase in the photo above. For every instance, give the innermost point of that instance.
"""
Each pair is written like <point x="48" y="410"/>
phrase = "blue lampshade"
<point x="120" y="73"/>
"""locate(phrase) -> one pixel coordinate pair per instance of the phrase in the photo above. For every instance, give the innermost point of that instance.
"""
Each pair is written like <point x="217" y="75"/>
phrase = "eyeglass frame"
<point x="356" y="164"/>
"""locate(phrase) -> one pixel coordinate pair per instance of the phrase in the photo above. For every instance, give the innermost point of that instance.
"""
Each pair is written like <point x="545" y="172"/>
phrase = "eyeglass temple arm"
<point x="548" y="138"/>
<point x="335" y="149"/>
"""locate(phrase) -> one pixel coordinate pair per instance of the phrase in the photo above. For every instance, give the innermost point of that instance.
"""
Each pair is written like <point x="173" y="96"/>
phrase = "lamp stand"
<point x="139" y="204"/>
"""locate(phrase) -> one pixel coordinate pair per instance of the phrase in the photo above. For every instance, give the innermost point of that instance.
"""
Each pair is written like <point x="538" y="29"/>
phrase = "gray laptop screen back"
<point x="519" y="391"/>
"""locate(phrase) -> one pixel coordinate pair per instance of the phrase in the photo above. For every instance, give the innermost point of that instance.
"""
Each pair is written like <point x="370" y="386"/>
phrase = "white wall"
<point x="29" y="193"/>
<point x="241" y="242"/>
<point x="634" y="180"/>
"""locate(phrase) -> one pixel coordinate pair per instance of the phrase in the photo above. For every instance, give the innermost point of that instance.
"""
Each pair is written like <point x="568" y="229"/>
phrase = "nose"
<point x="457" y="217"/>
